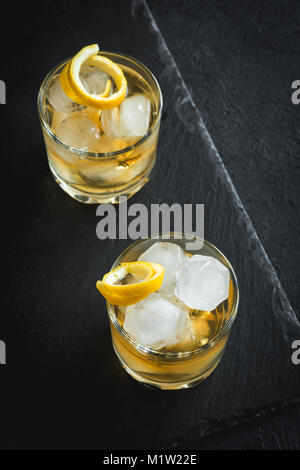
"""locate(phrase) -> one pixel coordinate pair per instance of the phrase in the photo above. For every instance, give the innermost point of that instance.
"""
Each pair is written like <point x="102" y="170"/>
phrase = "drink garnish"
<point x="76" y="91"/>
<point x="148" y="278"/>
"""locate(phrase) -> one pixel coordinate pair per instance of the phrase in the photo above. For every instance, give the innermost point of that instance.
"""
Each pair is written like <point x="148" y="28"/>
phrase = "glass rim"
<point x="95" y="155"/>
<point x="200" y="349"/>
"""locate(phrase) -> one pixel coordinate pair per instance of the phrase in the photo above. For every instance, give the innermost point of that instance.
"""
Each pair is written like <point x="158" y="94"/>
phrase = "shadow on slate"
<point x="63" y="386"/>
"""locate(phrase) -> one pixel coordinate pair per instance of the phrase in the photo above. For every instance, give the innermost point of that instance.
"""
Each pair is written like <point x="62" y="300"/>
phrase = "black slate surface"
<point x="62" y="386"/>
<point x="239" y="60"/>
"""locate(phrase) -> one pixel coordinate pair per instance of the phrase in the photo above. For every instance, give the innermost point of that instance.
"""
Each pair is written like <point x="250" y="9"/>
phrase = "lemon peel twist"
<point x="74" y="88"/>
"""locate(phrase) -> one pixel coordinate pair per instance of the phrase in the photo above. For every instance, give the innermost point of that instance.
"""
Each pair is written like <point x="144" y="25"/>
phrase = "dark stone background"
<point x="239" y="60"/>
<point x="62" y="386"/>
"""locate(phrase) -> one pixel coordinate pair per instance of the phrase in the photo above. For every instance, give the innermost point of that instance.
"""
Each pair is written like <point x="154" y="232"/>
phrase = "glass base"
<point x="111" y="197"/>
<point x="149" y="383"/>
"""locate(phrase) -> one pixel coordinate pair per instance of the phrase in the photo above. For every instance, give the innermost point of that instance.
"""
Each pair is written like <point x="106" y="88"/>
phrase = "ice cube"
<point x="130" y="119"/>
<point x="203" y="282"/>
<point x="135" y="116"/>
<point x="104" y="172"/>
<point x="171" y="257"/>
<point x="77" y="131"/>
<point x="58" y="99"/>
<point x="155" y="322"/>
<point x="105" y="145"/>
<point x="110" y="120"/>
<point x="93" y="79"/>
